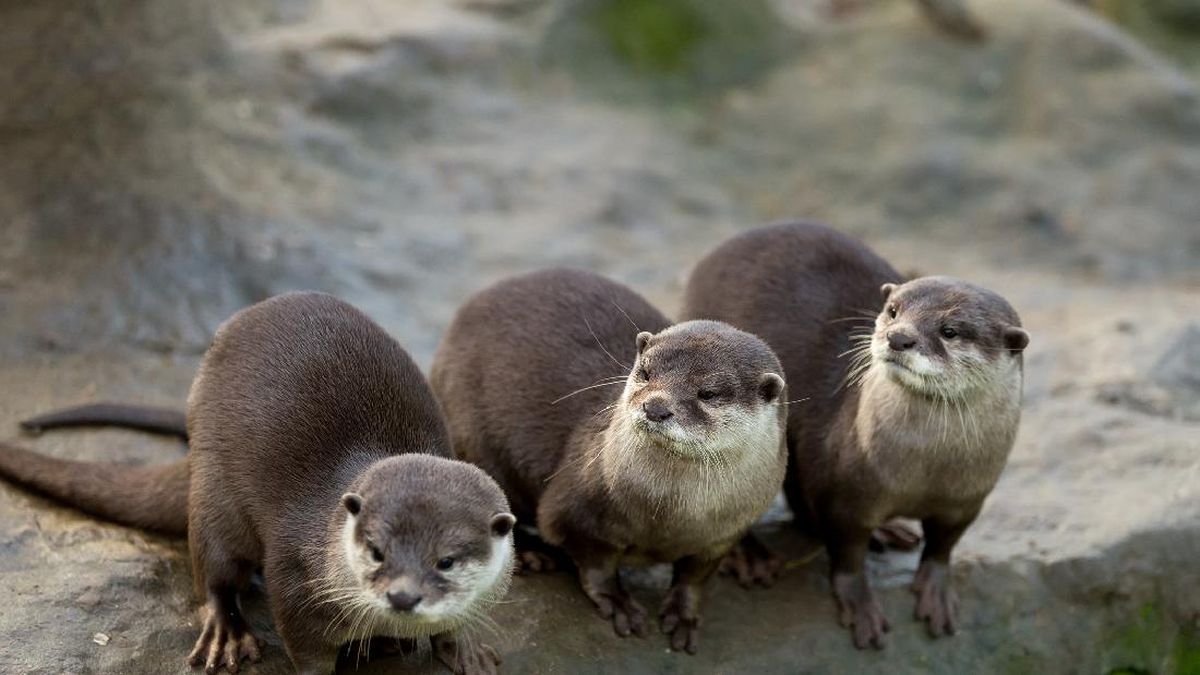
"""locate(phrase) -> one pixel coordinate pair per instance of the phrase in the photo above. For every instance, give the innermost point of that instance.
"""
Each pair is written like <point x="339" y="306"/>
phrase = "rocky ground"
<point x="165" y="163"/>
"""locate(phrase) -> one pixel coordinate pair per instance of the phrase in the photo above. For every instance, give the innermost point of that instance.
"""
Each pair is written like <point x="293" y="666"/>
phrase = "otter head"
<point x="944" y="337"/>
<point x="703" y="387"/>
<point x="428" y="540"/>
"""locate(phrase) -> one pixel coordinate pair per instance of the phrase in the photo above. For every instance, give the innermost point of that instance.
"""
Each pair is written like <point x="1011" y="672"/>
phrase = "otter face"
<point x="702" y="387"/>
<point x="424" y="546"/>
<point x="944" y="337"/>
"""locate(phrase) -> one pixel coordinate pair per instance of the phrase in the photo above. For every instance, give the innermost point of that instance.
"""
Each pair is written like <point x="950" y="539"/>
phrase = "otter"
<point x="910" y="410"/>
<point x="318" y="455"/>
<point x="626" y="439"/>
<point x="166" y="421"/>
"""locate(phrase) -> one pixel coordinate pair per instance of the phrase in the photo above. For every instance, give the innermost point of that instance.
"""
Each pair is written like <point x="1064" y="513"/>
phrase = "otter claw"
<point x="628" y="617"/>
<point x="860" y="611"/>
<point x="895" y="535"/>
<point x="750" y="562"/>
<point x="476" y="659"/>
<point x="532" y="562"/>
<point x="678" y="621"/>
<point x="224" y="643"/>
<point x="937" y="603"/>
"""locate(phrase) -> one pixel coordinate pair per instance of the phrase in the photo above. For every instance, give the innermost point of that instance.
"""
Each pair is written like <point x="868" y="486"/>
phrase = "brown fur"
<point x="150" y="497"/>
<point x="307" y="421"/>
<point x="870" y="442"/>
<point x="522" y="374"/>
<point x="147" y="418"/>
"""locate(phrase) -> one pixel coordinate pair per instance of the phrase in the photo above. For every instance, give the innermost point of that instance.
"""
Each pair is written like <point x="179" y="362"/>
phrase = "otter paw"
<point x="466" y="658"/>
<point x="532" y="562"/>
<point x="937" y="603"/>
<point x="628" y="617"/>
<point x="895" y="535"/>
<point x="223" y="644"/>
<point x="751" y="563"/>
<point x="679" y="619"/>
<point x="860" y="611"/>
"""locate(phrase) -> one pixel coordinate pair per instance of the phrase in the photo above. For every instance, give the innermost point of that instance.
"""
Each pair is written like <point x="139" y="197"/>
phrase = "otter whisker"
<point x="583" y="389"/>
<point x="852" y="318"/>
<point x="602" y="347"/>
<point x="627" y="317"/>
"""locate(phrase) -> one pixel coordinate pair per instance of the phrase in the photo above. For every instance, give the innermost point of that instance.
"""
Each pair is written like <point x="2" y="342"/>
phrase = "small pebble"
<point x="100" y="639"/>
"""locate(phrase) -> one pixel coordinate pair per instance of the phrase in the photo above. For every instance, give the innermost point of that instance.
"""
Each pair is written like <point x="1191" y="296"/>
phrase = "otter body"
<point x="907" y="412"/>
<point x="319" y="455"/>
<point x="625" y="438"/>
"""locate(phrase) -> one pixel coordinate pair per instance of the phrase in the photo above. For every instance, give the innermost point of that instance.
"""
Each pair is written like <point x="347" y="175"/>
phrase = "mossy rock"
<point x="1151" y="644"/>
<point x="677" y="48"/>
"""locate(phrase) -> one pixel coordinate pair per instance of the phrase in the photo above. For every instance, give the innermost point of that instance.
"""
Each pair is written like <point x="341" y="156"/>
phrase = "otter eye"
<point x="376" y="554"/>
<point x="642" y="375"/>
<point x="706" y="394"/>
<point x="445" y="563"/>
<point x="891" y="310"/>
<point x="949" y="333"/>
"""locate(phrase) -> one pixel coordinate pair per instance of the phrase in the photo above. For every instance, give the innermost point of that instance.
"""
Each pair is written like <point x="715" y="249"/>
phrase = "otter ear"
<point x="886" y="290"/>
<point x="1015" y="339"/>
<point x="770" y="387"/>
<point x="643" y="339"/>
<point x="352" y="502"/>
<point x="502" y="524"/>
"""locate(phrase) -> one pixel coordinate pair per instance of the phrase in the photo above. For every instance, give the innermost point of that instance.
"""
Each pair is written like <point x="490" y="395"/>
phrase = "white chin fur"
<point x="918" y="372"/>
<point x="482" y="582"/>
<point x="734" y="429"/>
<point x="670" y="434"/>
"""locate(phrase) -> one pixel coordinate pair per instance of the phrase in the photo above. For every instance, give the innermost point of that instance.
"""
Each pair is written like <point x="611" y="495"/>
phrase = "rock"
<point x="169" y="163"/>
<point x="1179" y="365"/>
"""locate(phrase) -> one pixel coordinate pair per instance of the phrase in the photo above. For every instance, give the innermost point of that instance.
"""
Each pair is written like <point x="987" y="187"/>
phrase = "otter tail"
<point x="146" y="418"/>
<point x="147" y="497"/>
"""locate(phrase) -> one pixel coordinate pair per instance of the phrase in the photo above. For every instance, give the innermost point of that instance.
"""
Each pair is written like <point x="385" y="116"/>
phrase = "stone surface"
<point x="164" y="163"/>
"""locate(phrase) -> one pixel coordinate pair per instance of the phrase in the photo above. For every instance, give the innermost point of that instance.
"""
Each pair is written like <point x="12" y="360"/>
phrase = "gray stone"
<point x="164" y="163"/>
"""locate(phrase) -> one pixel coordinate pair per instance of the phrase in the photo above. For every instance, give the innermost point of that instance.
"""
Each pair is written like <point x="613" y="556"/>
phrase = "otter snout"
<point x="656" y="410"/>
<point x="403" y="601"/>
<point x="901" y="341"/>
<point x="404" y="595"/>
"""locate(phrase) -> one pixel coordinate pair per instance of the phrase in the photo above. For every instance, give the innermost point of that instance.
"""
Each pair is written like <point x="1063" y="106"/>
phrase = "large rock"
<point x="165" y="163"/>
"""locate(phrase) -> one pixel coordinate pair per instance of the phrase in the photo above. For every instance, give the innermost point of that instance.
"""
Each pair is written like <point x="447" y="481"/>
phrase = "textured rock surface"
<point x="163" y="163"/>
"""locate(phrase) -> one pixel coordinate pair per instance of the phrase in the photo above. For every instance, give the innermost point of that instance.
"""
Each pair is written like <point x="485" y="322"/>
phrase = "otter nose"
<point x="656" y="411"/>
<point x="901" y="341"/>
<point x="403" y="601"/>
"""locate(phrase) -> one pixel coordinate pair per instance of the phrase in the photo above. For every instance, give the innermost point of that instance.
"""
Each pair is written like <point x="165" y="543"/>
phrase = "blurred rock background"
<point x="164" y="163"/>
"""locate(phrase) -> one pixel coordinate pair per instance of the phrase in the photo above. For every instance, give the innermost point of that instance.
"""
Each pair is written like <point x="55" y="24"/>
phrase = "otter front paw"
<point x="628" y="617"/>
<point x="937" y="603"/>
<point x="465" y="659"/>
<point x="750" y="562"/>
<point x="224" y="642"/>
<point x="895" y="535"/>
<point x="532" y="562"/>
<point x="679" y="619"/>
<point x="860" y="610"/>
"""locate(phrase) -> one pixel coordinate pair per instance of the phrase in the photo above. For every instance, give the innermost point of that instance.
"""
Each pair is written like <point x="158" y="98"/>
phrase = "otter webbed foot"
<point x="895" y="535"/>
<point x="680" y="618"/>
<point x="224" y="642"/>
<point x="533" y="562"/>
<point x="465" y="657"/>
<point x="627" y="615"/>
<point x="750" y="562"/>
<point x="937" y="603"/>
<point x="603" y="587"/>
<point x="859" y="610"/>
